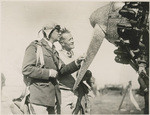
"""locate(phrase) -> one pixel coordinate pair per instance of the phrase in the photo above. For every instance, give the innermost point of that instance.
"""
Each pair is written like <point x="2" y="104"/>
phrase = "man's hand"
<point x="80" y="59"/>
<point x="53" y="73"/>
<point x="142" y="70"/>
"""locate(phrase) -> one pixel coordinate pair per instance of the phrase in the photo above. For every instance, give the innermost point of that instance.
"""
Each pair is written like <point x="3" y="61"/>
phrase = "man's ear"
<point x="62" y="43"/>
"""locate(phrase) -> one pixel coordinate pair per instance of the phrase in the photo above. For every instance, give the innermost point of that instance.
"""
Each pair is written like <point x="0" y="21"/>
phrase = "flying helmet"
<point x="48" y="29"/>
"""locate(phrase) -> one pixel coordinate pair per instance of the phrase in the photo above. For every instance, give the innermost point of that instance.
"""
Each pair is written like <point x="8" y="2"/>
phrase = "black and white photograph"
<point x="74" y="57"/>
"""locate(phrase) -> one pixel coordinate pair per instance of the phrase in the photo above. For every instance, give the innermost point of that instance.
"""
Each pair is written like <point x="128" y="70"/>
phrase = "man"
<point x="71" y="103"/>
<point x="44" y="89"/>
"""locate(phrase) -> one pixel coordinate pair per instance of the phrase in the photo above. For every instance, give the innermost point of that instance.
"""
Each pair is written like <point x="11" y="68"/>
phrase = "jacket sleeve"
<point x="69" y="68"/>
<point x="29" y="65"/>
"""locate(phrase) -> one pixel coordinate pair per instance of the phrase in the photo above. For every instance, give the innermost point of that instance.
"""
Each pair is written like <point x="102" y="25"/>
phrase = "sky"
<point x="21" y="21"/>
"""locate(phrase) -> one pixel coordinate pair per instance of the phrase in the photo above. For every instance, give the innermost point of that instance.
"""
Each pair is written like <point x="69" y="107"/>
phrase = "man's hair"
<point x="63" y="31"/>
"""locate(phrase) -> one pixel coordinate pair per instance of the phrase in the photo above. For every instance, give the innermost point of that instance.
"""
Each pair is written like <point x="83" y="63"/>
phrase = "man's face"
<point x="55" y="35"/>
<point x="68" y="42"/>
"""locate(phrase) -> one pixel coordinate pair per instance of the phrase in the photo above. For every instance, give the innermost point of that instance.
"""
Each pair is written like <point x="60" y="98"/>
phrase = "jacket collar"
<point x="69" y="54"/>
<point x="45" y="44"/>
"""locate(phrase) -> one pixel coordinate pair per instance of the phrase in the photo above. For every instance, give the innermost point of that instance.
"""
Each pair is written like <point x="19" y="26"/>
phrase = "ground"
<point x="107" y="103"/>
